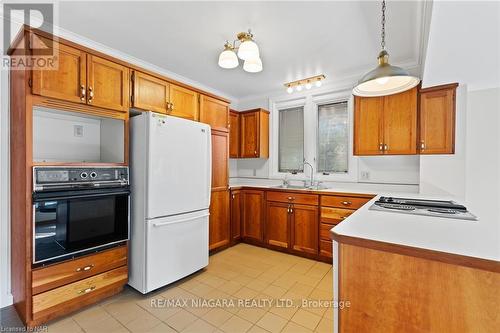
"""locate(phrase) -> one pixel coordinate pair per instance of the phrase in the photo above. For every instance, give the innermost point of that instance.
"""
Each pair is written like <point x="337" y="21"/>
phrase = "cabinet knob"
<point x="422" y="145"/>
<point x="82" y="93"/>
<point x="291" y="198"/>
<point x="171" y="106"/>
<point x="381" y="146"/>
<point x="85" y="291"/>
<point x="346" y="203"/>
<point x="255" y="152"/>
<point x="232" y="196"/>
<point x="84" y="269"/>
<point x="386" y="147"/>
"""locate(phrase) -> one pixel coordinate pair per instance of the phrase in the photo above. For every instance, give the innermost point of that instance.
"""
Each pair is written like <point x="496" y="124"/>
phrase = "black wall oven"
<point x="78" y="210"/>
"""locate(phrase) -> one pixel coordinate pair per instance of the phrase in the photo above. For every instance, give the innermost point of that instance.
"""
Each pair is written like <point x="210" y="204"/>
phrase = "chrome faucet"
<point x="312" y="173"/>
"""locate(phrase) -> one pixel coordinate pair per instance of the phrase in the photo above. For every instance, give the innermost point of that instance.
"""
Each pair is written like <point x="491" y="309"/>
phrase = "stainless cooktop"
<point x="438" y="208"/>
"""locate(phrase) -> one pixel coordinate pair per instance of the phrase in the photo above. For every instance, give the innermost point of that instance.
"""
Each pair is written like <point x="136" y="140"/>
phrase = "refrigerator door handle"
<point x="161" y="224"/>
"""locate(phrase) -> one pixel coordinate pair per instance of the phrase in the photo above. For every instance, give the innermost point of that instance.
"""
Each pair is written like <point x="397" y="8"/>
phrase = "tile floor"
<point x="245" y="277"/>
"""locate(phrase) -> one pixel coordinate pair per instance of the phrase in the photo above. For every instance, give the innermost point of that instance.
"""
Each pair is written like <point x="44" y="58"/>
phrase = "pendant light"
<point x="385" y="79"/>
<point x="247" y="50"/>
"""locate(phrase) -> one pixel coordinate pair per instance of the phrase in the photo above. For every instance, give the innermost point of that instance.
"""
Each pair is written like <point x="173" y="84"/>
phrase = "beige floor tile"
<point x="328" y="313"/>
<point x="161" y="328"/>
<point x="272" y="323"/>
<point x="251" y="314"/>
<point x="230" y="287"/>
<point x="284" y="312"/>
<point x="163" y="313"/>
<point x="257" y="329"/>
<point x="124" y="312"/>
<point x="257" y="285"/>
<point x="213" y="280"/>
<point x="325" y="325"/>
<point x="201" y="289"/>
<point x="181" y="320"/>
<point x="143" y="323"/>
<point x="236" y="324"/>
<point x="306" y="319"/>
<point x="285" y="281"/>
<point x="274" y="291"/>
<point x="292" y="327"/>
<point x="217" y="316"/>
<point x="199" y="326"/>
<point x="91" y="316"/>
<point x="245" y="293"/>
<point x="107" y="325"/>
<point x="66" y="325"/>
<point x="242" y="279"/>
<point x="301" y="289"/>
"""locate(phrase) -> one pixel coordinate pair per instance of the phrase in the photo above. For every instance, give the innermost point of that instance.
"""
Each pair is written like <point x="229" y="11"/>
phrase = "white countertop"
<point x="478" y="239"/>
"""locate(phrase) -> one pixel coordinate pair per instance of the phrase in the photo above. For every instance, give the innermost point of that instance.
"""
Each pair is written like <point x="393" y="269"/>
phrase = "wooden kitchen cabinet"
<point x="214" y="112"/>
<point x="183" y="103"/>
<point x="437" y="119"/>
<point x="234" y="134"/>
<point x="253" y="215"/>
<point x="219" y="229"/>
<point x="304" y="228"/>
<point x="235" y="216"/>
<point x="254" y="133"/>
<point x="278" y="223"/>
<point x="386" y="125"/>
<point x="69" y="81"/>
<point x="220" y="160"/>
<point x="150" y="93"/>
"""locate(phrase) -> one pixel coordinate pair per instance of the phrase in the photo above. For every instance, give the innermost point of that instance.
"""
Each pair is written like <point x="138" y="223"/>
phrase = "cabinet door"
<point x="253" y="216"/>
<point x="68" y="82"/>
<point x="249" y="143"/>
<point x="304" y="225"/>
<point x="214" y="112"/>
<point x="150" y="93"/>
<point x="219" y="219"/>
<point x="235" y="215"/>
<point x="437" y="121"/>
<point x="368" y="135"/>
<point x="277" y="224"/>
<point x="400" y="123"/>
<point x="234" y="135"/>
<point x="220" y="160"/>
<point x="108" y="84"/>
<point x="184" y="103"/>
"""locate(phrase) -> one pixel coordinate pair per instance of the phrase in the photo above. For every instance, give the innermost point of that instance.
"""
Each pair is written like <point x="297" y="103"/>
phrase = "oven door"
<point x="69" y="222"/>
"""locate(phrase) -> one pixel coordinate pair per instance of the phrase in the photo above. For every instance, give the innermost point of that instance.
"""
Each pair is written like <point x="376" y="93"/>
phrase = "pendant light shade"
<point x="385" y="79"/>
<point x="228" y="59"/>
<point x="248" y="50"/>
<point x="252" y="65"/>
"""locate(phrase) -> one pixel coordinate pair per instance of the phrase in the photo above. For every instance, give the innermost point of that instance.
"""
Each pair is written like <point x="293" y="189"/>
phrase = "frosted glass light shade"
<point x="228" y="59"/>
<point x="252" y="65"/>
<point x="248" y="50"/>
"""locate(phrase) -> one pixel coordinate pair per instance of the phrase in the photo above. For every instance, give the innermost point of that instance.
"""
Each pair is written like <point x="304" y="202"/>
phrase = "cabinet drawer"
<point x="334" y="215"/>
<point x="291" y="197"/>
<point x="343" y="202"/>
<point x="325" y="248"/>
<point x="324" y="231"/>
<point x="51" y="277"/>
<point x="54" y="300"/>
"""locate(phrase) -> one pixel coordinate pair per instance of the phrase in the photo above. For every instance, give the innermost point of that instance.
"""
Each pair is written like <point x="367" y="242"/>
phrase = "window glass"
<point x="333" y="138"/>
<point x="291" y="140"/>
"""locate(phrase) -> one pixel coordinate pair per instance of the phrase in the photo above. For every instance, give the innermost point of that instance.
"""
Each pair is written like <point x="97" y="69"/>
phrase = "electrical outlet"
<point x="365" y="175"/>
<point x="78" y="130"/>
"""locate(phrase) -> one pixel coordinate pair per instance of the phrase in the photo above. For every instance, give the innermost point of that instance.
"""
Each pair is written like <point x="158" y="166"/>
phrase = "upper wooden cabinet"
<point x="214" y="112"/>
<point x="184" y="103"/>
<point x="234" y="134"/>
<point x="386" y="125"/>
<point x="69" y="81"/>
<point x="108" y="84"/>
<point x="251" y="140"/>
<point x="150" y="93"/>
<point x="437" y="119"/>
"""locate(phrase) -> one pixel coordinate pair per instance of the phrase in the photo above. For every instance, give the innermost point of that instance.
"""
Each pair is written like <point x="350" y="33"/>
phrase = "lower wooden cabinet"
<point x="219" y="230"/>
<point x="235" y="216"/>
<point x="304" y="228"/>
<point x="253" y="215"/>
<point x="278" y="224"/>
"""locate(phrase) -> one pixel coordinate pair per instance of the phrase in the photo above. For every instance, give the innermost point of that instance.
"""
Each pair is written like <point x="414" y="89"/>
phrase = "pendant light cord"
<point x="382" y="43"/>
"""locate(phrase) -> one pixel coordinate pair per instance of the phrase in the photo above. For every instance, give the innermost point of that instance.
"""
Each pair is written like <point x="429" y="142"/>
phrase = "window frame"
<point x="303" y="137"/>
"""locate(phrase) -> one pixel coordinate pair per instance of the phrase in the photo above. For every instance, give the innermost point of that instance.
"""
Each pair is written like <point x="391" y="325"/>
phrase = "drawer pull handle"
<point x="346" y="203"/>
<point x="84" y="269"/>
<point x="343" y="217"/>
<point x="291" y="198"/>
<point x="86" y="291"/>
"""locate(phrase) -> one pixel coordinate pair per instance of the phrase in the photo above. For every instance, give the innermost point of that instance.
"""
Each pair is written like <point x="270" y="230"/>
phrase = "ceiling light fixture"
<point x="385" y="79"/>
<point x="307" y="83"/>
<point x="248" y="51"/>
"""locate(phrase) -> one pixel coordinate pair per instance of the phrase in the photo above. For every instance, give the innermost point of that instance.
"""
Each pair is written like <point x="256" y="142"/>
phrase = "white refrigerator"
<point x="170" y="179"/>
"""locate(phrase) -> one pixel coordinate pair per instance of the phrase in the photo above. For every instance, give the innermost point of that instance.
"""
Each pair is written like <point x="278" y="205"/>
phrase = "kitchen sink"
<point x="302" y="187"/>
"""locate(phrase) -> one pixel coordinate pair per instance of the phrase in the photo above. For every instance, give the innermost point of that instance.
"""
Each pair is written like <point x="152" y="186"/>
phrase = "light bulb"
<point x="382" y="80"/>
<point x="308" y="85"/>
<point x="298" y="88"/>
<point x="318" y="83"/>
<point x="289" y="90"/>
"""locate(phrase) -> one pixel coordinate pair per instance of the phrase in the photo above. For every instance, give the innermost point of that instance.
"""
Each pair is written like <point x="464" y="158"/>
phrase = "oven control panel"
<point x="44" y="177"/>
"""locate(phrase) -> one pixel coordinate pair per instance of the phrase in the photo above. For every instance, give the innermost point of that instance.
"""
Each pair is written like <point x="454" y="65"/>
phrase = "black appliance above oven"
<point x="78" y="210"/>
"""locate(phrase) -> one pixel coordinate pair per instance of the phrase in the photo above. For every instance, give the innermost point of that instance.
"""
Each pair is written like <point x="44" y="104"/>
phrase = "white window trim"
<point x="310" y="103"/>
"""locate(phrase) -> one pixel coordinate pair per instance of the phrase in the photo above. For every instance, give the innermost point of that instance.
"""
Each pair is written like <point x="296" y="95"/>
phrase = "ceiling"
<point x="296" y="39"/>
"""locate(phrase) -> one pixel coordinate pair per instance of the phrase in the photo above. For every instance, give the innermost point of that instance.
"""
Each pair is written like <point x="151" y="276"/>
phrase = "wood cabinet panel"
<point x="108" y="84"/>
<point x="343" y="201"/>
<point x="326" y="248"/>
<point x="293" y="197"/>
<point x="50" y="277"/>
<point x="69" y="81"/>
<point x="334" y="215"/>
<point x="51" y="301"/>
<point x="236" y="215"/>
<point x="400" y="123"/>
<point x="249" y="130"/>
<point x="368" y="125"/>
<point x="219" y="228"/>
<point x="324" y="231"/>
<point x="214" y="112"/>
<point x="150" y="93"/>
<point x="234" y="134"/>
<point x="183" y="103"/>
<point x="437" y="120"/>
<point x="220" y="160"/>
<point x="278" y="224"/>
<point x="304" y="226"/>
<point x="253" y="214"/>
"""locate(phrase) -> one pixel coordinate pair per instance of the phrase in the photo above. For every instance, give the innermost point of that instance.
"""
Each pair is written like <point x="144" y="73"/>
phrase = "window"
<point x="291" y="140"/>
<point x="333" y="138"/>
